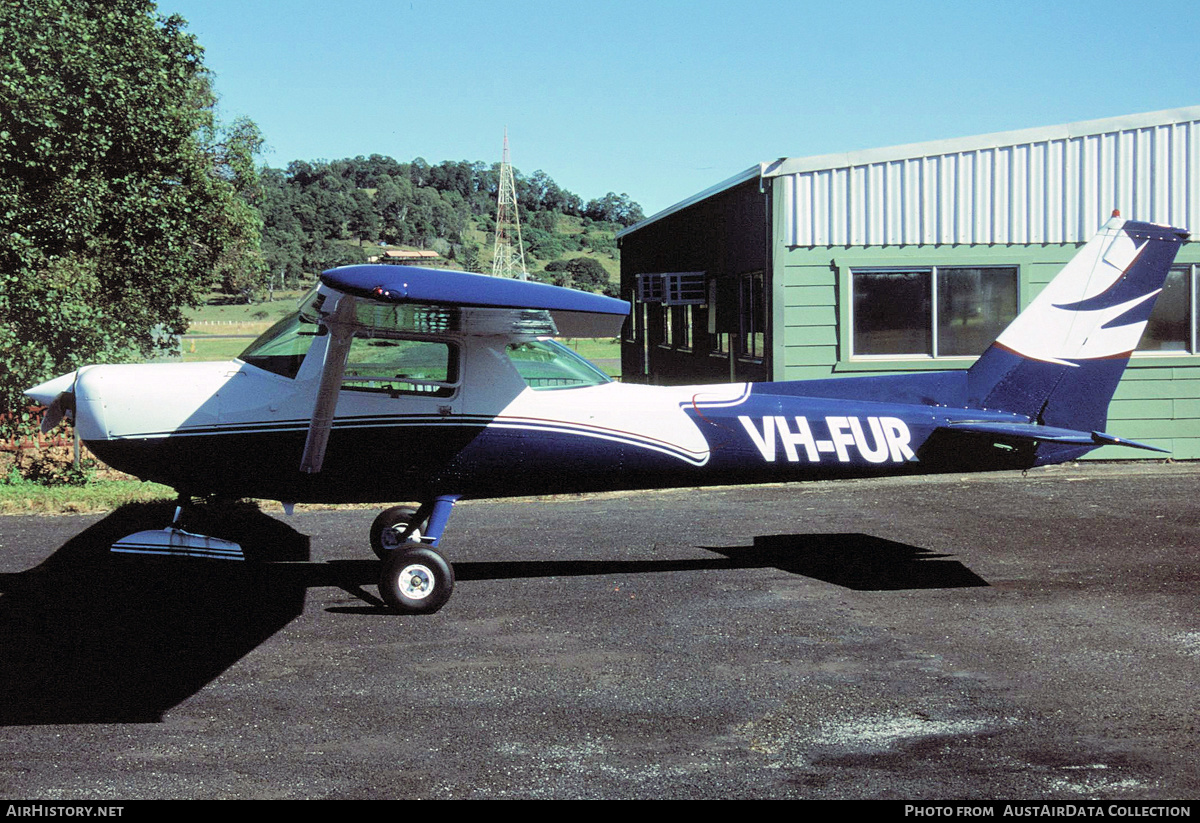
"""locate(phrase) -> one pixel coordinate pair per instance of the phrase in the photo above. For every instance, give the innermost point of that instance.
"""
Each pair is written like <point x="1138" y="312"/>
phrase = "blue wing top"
<point x="443" y="287"/>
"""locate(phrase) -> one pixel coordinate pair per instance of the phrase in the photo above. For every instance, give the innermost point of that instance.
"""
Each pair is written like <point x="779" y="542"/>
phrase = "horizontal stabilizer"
<point x="1044" y="434"/>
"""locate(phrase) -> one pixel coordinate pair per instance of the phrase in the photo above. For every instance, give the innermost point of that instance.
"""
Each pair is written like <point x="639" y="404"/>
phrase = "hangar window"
<point x="718" y="339"/>
<point x="629" y="330"/>
<point x="677" y="327"/>
<point x="678" y="288"/>
<point x="683" y="319"/>
<point x="650" y="288"/>
<point x="676" y="293"/>
<point x="1172" y="327"/>
<point x="934" y="311"/>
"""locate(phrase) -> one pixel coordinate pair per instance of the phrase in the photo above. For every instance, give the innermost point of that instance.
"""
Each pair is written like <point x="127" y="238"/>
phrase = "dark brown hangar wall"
<point x="721" y="241"/>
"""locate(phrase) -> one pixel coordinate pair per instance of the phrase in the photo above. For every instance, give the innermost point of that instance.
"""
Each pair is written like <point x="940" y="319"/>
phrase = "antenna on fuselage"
<point x="509" y="257"/>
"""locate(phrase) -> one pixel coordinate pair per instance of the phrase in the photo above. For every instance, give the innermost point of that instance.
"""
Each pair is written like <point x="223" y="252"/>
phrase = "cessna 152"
<point x="396" y="383"/>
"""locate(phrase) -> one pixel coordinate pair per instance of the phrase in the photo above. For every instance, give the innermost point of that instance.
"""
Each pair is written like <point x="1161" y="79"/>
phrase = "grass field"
<point x="213" y="348"/>
<point x="29" y="497"/>
<point x="264" y="314"/>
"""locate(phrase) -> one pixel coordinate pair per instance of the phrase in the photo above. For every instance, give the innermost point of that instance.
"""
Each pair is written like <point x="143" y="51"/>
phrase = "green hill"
<point x="330" y="213"/>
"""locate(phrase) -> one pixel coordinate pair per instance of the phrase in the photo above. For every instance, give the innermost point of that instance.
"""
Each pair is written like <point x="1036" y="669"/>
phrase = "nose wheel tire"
<point x="415" y="579"/>
<point x="387" y="528"/>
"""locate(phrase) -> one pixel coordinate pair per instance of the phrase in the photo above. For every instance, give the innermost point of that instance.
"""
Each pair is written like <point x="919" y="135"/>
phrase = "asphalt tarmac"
<point x="973" y="637"/>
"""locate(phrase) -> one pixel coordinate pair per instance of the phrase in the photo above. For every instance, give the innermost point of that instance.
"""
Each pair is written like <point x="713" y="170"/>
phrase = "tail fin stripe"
<point x="1138" y="313"/>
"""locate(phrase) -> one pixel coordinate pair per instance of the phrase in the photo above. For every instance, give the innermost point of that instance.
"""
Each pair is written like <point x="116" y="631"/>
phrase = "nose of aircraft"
<point x="45" y="393"/>
<point x="56" y="395"/>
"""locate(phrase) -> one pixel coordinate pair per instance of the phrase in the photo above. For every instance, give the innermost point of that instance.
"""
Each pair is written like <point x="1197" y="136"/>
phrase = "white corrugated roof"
<point x="1053" y="184"/>
<point x="1002" y="139"/>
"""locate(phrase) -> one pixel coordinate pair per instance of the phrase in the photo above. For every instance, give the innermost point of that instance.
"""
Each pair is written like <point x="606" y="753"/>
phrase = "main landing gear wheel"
<point x="415" y="579"/>
<point x="387" y="528"/>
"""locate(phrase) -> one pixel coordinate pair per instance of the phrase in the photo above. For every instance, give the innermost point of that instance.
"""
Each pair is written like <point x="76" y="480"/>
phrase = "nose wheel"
<point x="415" y="579"/>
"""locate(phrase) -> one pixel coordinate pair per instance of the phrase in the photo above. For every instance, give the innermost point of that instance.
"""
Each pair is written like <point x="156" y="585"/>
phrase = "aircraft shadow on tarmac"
<point x="854" y="561"/>
<point x="92" y="637"/>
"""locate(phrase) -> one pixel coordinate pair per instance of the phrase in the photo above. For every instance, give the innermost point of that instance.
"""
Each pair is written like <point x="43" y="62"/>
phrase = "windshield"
<point x="547" y="364"/>
<point x="281" y="348"/>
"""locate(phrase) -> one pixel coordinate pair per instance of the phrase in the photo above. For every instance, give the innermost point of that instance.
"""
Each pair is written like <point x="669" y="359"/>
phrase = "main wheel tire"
<point x="386" y="530"/>
<point x="415" y="579"/>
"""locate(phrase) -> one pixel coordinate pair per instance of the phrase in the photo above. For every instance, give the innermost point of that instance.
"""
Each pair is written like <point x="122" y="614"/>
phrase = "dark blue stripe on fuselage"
<point x="765" y="438"/>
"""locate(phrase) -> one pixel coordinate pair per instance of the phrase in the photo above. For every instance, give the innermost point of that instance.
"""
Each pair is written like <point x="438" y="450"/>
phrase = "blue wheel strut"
<point x="437" y="512"/>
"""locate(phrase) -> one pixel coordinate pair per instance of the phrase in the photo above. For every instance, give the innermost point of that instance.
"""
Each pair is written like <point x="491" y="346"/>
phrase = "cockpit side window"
<point x="396" y="366"/>
<point x="547" y="364"/>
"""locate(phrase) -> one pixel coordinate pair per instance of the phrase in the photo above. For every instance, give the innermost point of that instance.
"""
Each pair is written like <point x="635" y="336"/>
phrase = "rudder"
<point x="1059" y="362"/>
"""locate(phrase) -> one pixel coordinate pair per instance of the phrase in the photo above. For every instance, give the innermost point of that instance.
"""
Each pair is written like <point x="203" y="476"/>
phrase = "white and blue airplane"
<point x="396" y="383"/>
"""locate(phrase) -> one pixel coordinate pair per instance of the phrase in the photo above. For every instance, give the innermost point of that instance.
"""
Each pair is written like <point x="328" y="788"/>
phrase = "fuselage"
<point x="395" y="383"/>
<point x="235" y="429"/>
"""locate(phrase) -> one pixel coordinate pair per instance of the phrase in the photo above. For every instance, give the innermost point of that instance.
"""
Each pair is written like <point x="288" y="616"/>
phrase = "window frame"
<point x="852" y="360"/>
<point x="676" y="296"/>
<point x="753" y="319"/>
<point x="718" y="341"/>
<point x="684" y="317"/>
<point x="1192" y="346"/>
<point x="841" y="268"/>
<point x="438" y="389"/>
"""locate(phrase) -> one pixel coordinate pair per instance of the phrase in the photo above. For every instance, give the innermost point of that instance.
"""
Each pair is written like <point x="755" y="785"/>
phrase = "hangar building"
<point x="914" y="258"/>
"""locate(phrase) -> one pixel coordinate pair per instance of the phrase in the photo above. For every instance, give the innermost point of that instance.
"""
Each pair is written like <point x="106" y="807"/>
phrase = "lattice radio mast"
<point x="509" y="257"/>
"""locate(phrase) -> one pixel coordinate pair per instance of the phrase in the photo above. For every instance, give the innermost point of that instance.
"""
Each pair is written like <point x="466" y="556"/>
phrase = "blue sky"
<point x="661" y="100"/>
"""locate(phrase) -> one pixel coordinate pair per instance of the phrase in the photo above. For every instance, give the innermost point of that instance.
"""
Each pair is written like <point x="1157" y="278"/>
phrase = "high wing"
<point x="513" y="303"/>
<point x="575" y="313"/>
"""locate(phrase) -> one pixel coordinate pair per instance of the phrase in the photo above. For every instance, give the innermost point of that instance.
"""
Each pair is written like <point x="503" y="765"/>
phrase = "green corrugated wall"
<point x="1157" y="402"/>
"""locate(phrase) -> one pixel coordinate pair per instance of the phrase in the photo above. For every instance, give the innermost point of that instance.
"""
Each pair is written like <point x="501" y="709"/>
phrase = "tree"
<point x="363" y="222"/>
<point x="240" y="268"/>
<point x="542" y="244"/>
<point x="121" y="199"/>
<point x="584" y="273"/>
<point x="310" y="209"/>
<point x="615" y="208"/>
<point x="469" y="257"/>
<point x="283" y="235"/>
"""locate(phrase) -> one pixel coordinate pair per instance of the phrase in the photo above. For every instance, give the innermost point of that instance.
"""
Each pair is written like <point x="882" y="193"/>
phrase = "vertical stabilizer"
<point x="1060" y="360"/>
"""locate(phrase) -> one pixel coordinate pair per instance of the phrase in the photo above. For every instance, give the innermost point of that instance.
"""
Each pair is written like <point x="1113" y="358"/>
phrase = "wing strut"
<point x="341" y="324"/>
